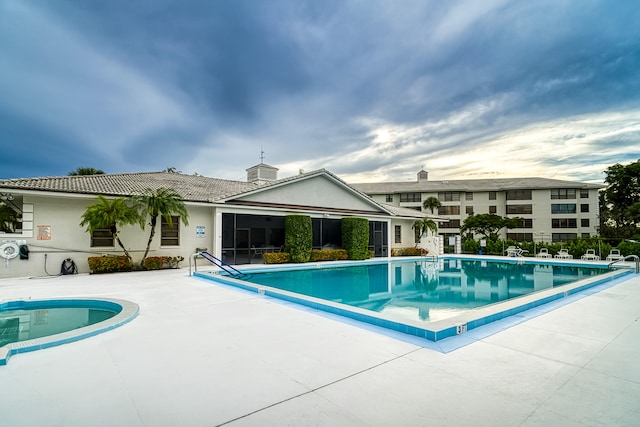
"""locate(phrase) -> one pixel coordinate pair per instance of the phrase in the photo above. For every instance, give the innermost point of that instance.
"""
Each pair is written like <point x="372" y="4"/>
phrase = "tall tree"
<point x="163" y="202"/>
<point x="424" y="225"/>
<point x="431" y="203"/>
<point x="618" y="199"/>
<point x="86" y="171"/>
<point x="111" y="214"/>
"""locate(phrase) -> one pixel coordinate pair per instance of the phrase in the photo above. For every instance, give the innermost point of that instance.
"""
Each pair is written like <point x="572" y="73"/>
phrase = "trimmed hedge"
<point x="158" y="262"/>
<point x="298" y="237"/>
<point x="328" y="255"/>
<point x="109" y="264"/>
<point x="276" y="257"/>
<point x="355" y="237"/>
<point x="407" y="252"/>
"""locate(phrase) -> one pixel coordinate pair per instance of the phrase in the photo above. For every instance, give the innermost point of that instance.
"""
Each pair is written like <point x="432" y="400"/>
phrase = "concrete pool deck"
<point x="203" y="354"/>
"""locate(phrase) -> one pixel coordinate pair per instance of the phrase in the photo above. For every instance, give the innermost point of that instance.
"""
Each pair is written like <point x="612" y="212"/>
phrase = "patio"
<point x="201" y="354"/>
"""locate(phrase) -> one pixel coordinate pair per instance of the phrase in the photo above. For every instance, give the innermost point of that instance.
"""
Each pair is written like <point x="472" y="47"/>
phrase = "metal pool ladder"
<point x="627" y="258"/>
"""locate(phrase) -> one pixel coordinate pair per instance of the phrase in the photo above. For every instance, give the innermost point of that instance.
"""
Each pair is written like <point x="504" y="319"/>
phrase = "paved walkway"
<point x="201" y="354"/>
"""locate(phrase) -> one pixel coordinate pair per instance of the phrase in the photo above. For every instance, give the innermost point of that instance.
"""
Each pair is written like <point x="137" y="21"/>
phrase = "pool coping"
<point x="128" y="311"/>
<point x="436" y="330"/>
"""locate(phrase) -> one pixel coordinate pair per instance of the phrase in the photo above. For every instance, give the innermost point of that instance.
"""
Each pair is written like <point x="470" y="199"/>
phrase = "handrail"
<point x="232" y="271"/>
<point x="628" y="257"/>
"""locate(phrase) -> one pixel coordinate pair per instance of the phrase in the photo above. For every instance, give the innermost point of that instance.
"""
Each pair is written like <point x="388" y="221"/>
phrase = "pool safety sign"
<point x="44" y="232"/>
<point x="200" y="233"/>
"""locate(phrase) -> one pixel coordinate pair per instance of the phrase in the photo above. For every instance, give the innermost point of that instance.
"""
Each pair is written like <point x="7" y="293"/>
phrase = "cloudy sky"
<point x="370" y="90"/>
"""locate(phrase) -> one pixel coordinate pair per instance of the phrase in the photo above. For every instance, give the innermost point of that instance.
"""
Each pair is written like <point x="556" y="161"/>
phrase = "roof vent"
<point x="262" y="174"/>
<point x="423" y="176"/>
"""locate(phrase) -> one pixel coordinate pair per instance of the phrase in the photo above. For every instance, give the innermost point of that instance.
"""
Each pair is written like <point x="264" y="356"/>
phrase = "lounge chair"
<point x="564" y="254"/>
<point x="590" y="255"/>
<point x="615" y="255"/>
<point x="544" y="253"/>
<point x="515" y="251"/>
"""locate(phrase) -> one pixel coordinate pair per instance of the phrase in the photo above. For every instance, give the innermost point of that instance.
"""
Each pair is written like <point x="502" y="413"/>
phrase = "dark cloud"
<point x="204" y="85"/>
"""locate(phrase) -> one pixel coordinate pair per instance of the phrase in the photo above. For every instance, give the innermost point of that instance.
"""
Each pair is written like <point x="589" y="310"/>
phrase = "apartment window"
<point x="584" y="193"/>
<point x="449" y="210"/>
<point x="563" y="237"/>
<point x="519" y="195"/>
<point x="469" y="210"/>
<point x="493" y="209"/>
<point x="520" y="237"/>
<point x="170" y="232"/>
<point x="492" y="195"/>
<point x="453" y="223"/>
<point x="410" y="197"/>
<point x="449" y="196"/>
<point x="564" y="223"/>
<point x="389" y="198"/>
<point x="584" y="222"/>
<point x="468" y="196"/>
<point x="525" y="223"/>
<point x="563" y="193"/>
<point x="519" y="209"/>
<point x="398" y="233"/>
<point x="417" y="235"/>
<point x="563" y="208"/>
<point x="584" y="207"/>
<point x="101" y="237"/>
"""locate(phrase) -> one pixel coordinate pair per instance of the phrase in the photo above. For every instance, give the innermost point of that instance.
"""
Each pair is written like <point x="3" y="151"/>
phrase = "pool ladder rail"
<point x="628" y="258"/>
<point x="226" y="267"/>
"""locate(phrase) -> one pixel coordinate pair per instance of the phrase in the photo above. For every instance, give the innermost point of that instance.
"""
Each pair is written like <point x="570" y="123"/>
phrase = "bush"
<point x="298" y="237"/>
<point x="158" y="262"/>
<point x="328" y="255"/>
<point x="355" y="237"/>
<point x="276" y="257"/>
<point x="406" y="252"/>
<point x="109" y="264"/>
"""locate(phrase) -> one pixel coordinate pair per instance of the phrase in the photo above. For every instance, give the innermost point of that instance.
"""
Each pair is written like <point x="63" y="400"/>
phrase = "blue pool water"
<point x="428" y="299"/>
<point x="424" y="290"/>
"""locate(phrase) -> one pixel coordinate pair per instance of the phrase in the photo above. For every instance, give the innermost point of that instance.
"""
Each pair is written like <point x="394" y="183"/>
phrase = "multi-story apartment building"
<point x="552" y="210"/>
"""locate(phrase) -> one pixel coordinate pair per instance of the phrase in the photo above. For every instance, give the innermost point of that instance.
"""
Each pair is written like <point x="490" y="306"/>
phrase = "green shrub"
<point x="276" y="257"/>
<point x="109" y="264"/>
<point x="158" y="262"/>
<point x="406" y="252"/>
<point x="355" y="237"/>
<point x="298" y="237"/>
<point x="328" y="255"/>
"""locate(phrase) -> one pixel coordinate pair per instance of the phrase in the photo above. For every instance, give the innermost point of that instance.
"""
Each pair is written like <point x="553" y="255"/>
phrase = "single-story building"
<point x="236" y="221"/>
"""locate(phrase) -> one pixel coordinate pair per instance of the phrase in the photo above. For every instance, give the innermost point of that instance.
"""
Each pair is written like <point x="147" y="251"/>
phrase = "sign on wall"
<point x="200" y="231"/>
<point x="44" y="232"/>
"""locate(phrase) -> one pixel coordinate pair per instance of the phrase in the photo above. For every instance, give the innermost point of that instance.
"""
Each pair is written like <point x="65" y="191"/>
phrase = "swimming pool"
<point x="37" y="324"/>
<point x="432" y="299"/>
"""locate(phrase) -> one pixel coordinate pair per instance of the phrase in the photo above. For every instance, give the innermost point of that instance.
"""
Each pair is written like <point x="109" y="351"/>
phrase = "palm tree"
<point x="431" y="203"/>
<point x="110" y="214"/>
<point x="423" y="225"/>
<point x="163" y="202"/>
<point x="86" y="171"/>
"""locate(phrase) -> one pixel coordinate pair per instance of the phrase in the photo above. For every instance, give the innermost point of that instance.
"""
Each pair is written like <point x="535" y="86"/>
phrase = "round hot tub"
<point x="37" y="324"/>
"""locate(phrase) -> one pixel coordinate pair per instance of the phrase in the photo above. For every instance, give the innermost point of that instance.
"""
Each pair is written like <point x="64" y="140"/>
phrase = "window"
<point x="584" y="207"/>
<point x="584" y="193"/>
<point x="563" y="193"/>
<point x="519" y="195"/>
<point x="469" y="210"/>
<point x="101" y="237"/>
<point x="564" y="223"/>
<point x="410" y="197"/>
<point x="11" y="214"/>
<point x="519" y="209"/>
<point x="565" y="208"/>
<point x="584" y="222"/>
<point x="170" y="233"/>
<point x="398" y="233"/>
<point x="449" y="196"/>
<point x="417" y="235"/>
<point x="492" y="195"/>
<point x="493" y="209"/>
<point x="452" y="223"/>
<point x="468" y="196"/>
<point x="520" y="237"/>
<point x="563" y="237"/>
<point x="525" y="223"/>
<point x="449" y="210"/>
<point x="389" y="198"/>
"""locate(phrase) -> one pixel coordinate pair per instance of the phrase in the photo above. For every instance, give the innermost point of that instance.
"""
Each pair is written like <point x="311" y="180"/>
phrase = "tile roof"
<point x="193" y="188"/>
<point x="496" y="184"/>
